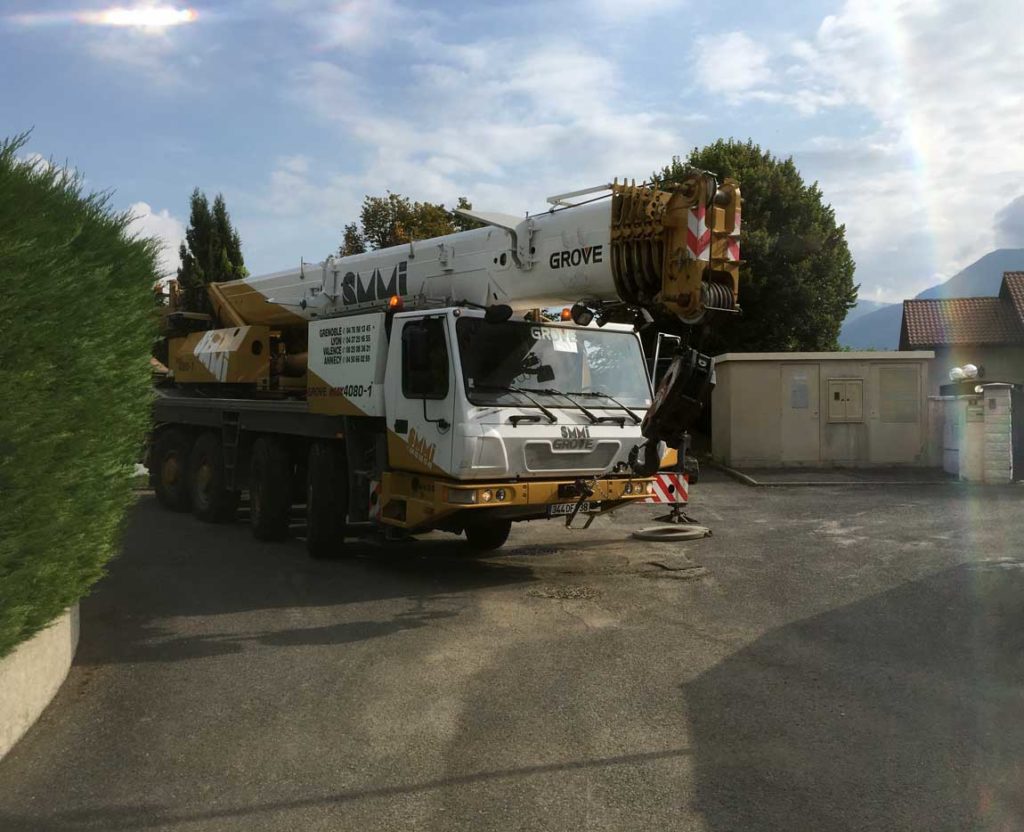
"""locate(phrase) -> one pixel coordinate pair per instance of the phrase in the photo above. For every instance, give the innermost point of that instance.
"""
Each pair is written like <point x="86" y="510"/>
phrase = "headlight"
<point x="650" y="488"/>
<point x="462" y="496"/>
<point x="485" y="495"/>
<point x="500" y="495"/>
<point x="628" y="489"/>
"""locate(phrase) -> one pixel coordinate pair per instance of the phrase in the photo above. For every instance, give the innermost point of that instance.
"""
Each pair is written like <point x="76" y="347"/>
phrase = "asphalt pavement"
<point x="846" y="658"/>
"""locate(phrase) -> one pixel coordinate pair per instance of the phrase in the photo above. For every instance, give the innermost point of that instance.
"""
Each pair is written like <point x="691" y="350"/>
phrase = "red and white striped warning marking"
<point x="733" y="246"/>
<point x="670" y="488"/>
<point x="698" y="237"/>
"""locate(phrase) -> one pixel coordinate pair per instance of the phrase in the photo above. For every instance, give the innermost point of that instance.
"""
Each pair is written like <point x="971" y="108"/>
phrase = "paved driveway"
<point x="833" y="658"/>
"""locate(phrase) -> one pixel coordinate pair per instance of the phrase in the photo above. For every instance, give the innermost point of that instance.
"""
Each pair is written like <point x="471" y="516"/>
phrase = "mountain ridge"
<point x="880" y="328"/>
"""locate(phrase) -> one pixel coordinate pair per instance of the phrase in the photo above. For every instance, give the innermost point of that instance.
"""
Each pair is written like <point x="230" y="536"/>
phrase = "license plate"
<point x="559" y="509"/>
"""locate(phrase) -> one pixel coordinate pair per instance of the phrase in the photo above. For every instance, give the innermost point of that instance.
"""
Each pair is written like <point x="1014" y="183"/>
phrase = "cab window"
<point x="425" y="359"/>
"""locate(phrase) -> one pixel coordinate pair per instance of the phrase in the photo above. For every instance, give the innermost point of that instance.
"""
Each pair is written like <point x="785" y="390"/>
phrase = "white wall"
<point x="977" y="435"/>
<point x="31" y="675"/>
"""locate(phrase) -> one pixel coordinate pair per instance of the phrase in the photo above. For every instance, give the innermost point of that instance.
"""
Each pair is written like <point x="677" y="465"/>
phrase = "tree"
<point x="796" y="283"/>
<point x="460" y="222"/>
<point x="78" y="381"/>
<point x="352" y="241"/>
<point x="393" y="219"/>
<point x="211" y="252"/>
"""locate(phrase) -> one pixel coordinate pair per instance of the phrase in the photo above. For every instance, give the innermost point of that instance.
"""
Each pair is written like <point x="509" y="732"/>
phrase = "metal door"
<point x="801" y="439"/>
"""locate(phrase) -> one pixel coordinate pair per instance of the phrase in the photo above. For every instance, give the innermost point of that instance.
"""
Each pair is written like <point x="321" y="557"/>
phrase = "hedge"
<point x="77" y="324"/>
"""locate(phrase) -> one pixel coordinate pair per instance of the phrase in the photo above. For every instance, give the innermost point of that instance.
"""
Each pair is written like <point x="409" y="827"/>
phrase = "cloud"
<point x="163" y="226"/>
<point x="155" y="55"/>
<point x="495" y="121"/>
<point x="504" y="121"/>
<point x="299" y="201"/>
<point x="37" y="161"/>
<point x="357" y="24"/>
<point x="741" y="65"/>
<point x="619" y="11"/>
<point x="1009" y="224"/>
<point x="358" y="27"/>
<point x="925" y="96"/>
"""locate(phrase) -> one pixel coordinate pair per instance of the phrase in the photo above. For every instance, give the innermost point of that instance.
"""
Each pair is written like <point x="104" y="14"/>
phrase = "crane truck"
<point x="419" y="387"/>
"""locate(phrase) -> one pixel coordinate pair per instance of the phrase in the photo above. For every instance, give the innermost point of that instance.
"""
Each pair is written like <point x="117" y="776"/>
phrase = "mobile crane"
<point x="419" y="387"/>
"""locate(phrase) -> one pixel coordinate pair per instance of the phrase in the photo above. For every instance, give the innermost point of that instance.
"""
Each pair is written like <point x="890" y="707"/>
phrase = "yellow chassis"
<point x="412" y="501"/>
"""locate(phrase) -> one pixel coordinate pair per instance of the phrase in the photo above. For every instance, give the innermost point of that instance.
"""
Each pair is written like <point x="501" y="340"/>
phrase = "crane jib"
<point x="576" y="257"/>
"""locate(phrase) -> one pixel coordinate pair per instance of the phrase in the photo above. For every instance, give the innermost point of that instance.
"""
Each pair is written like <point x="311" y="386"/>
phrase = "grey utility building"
<point x="821" y="409"/>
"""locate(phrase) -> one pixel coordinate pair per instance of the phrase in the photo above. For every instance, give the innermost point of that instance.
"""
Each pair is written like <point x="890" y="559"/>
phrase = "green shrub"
<point x="76" y="323"/>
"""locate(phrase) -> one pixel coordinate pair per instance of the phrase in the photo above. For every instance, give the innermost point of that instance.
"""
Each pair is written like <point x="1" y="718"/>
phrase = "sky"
<point x="909" y="115"/>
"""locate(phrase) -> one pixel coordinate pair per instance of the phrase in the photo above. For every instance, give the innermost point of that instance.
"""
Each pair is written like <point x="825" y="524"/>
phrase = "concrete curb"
<point x="732" y="472"/>
<point x="834" y="484"/>
<point x="32" y="674"/>
<point x="746" y="479"/>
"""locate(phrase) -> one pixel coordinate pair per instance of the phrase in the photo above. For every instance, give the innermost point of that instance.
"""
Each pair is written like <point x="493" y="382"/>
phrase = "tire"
<point x="488" y="536"/>
<point x="212" y="502"/>
<point x="170" y="459"/>
<point x="326" y="499"/>
<point x="270" y="494"/>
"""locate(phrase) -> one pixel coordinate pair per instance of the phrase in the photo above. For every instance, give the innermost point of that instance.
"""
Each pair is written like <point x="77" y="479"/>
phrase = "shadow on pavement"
<point x="903" y="711"/>
<point x="145" y="817"/>
<point x="173" y="566"/>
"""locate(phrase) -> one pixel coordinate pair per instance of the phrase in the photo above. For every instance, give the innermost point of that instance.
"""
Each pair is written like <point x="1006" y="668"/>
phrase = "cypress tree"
<point x="77" y="385"/>
<point x="211" y="252"/>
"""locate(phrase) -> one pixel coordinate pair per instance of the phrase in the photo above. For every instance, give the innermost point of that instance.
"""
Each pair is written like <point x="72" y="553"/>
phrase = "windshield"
<point x="499" y="360"/>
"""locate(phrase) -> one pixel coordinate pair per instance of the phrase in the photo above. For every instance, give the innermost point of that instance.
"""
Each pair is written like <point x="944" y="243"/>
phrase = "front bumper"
<point x="411" y="501"/>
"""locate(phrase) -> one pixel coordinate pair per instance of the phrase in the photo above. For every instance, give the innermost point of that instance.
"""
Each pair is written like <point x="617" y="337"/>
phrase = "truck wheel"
<point x="170" y="469"/>
<point x="212" y="502"/>
<point x="487" y="536"/>
<point x="270" y="502"/>
<point x="326" y="499"/>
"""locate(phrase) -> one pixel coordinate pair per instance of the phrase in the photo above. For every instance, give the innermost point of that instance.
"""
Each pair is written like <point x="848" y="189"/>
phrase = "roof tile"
<point x="935" y="323"/>
<point x="1013" y="288"/>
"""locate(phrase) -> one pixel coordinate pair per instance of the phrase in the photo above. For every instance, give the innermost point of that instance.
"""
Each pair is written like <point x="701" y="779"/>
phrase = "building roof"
<point x="1013" y="289"/>
<point x="841" y="355"/>
<point x="966" y="321"/>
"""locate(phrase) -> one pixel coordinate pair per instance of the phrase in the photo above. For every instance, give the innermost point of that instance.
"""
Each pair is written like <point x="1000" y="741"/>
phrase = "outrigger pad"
<point x="684" y="388"/>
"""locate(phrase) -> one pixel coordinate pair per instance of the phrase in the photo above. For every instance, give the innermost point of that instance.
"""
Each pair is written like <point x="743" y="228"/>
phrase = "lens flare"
<point x="140" y="16"/>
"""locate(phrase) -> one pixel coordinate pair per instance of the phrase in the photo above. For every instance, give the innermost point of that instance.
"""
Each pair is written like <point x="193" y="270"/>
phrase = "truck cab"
<point x="500" y="419"/>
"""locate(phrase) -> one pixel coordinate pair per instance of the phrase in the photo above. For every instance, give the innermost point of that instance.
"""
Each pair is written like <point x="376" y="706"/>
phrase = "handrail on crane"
<point x="560" y="199"/>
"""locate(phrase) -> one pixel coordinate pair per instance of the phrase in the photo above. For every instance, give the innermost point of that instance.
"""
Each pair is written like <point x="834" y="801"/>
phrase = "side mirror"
<point x="498" y="314"/>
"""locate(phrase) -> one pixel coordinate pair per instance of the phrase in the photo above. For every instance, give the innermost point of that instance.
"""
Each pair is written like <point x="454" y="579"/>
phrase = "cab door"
<point x="419" y="391"/>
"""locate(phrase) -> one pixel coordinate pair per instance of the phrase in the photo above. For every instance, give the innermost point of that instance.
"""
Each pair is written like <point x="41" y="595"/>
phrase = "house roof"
<point x="955" y="321"/>
<point x="866" y="355"/>
<point x="1013" y="289"/>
